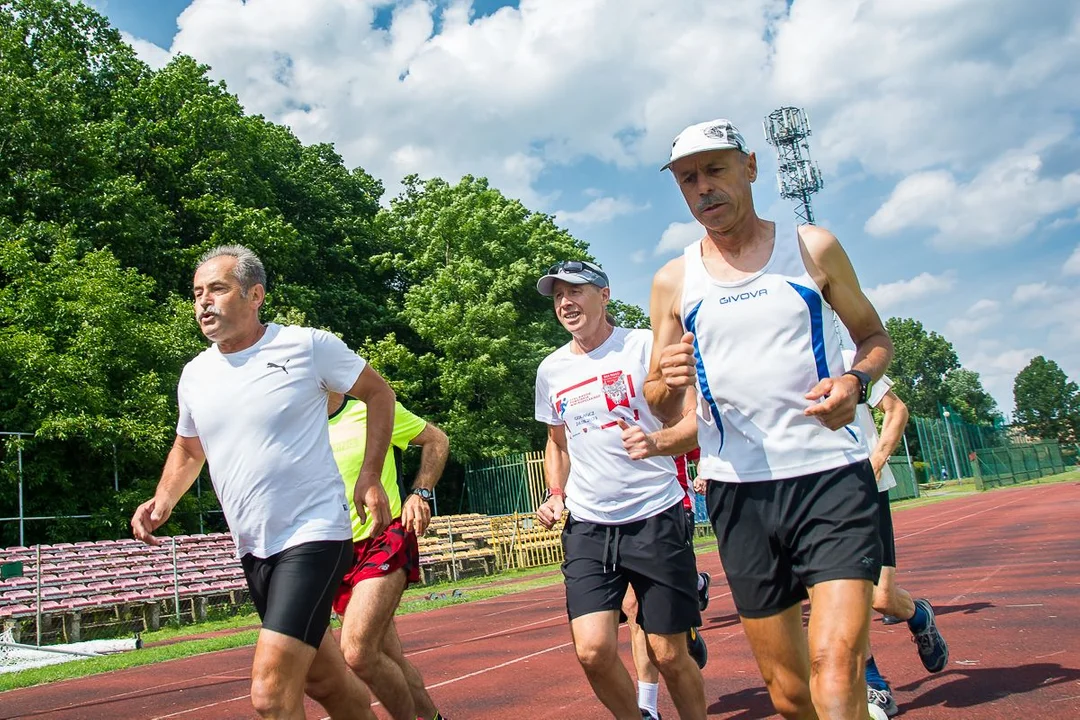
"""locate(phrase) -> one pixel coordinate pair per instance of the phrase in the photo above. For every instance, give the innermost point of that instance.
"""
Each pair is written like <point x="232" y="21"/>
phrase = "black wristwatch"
<point x="424" y="494"/>
<point x="865" y="383"/>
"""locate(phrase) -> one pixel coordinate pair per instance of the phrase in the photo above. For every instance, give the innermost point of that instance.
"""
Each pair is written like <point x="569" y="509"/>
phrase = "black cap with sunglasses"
<point x="575" y="272"/>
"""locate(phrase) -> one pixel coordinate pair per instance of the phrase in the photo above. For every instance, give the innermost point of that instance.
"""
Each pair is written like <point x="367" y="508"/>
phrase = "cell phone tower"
<point x="787" y="129"/>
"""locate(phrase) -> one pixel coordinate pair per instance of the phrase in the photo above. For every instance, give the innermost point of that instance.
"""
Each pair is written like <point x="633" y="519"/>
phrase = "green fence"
<point x="951" y="443"/>
<point x="515" y="484"/>
<point x="906" y="486"/>
<point x="505" y="485"/>
<point x="1012" y="464"/>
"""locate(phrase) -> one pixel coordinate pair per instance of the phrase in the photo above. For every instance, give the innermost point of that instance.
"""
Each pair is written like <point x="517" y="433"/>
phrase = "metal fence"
<point x="1012" y="464"/>
<point x="75" y="592"/>
<point x="948" y="444"/>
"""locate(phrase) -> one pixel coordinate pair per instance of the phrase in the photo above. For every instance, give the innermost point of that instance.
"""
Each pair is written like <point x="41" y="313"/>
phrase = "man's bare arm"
<point x="892" y="430"/>
<point x="676" y="439"/>
<point x="671" y="369"/>
<point x="833" y="400"/>
<point x="434" y="452"/>
<point x="371" y="389"/>
<point x="556" y="471"/>
<point x="873" y="348"/>
<point x="182" y="466"/>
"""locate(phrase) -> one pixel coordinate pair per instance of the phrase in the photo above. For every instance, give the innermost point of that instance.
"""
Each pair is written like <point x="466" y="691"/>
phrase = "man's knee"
<point x="267" y="696"/>
<point x="362" y="656"/>
<point x="667" y="651"/>
<point x="790" y="695"/>
<point x="836" y="671"/>
<point x="597" y="653"/>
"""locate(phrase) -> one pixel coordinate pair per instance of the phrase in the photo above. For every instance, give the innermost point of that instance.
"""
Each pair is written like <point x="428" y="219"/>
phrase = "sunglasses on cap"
<point x="587" y="270"/>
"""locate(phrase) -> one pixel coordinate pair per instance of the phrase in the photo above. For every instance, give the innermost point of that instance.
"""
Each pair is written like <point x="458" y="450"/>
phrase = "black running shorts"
<point x="293" y="589"/>
<point x="654" y="555"/>
<point x="885" y="528"/>
<point x="778" y="538"/>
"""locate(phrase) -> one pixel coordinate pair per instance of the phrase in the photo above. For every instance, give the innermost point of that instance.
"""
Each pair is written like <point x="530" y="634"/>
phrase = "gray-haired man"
<point x="253" y="404"/>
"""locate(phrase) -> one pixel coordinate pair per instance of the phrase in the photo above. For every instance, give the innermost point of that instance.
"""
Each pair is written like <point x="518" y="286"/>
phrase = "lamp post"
<point x="952" y="445"/>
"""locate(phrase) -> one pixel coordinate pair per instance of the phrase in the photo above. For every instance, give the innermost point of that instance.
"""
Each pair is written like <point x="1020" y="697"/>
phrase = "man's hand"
<point x="148" y="517"/>
<point x="637" y="442"/>
<point x="416" y="514"/>
<point x="877" y="461"/>
<point x="841" y="398"/>
<point x="551" y="511"/>
<point x="700" y="485"/>
<point x="678" y="367"/>
<point x="369" y="495"/>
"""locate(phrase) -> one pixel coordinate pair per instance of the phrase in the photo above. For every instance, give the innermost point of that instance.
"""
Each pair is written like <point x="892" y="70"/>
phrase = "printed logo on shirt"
<point x="560" y="407"/>
<point x="280" y="367"/>
<point x="743" y="296"/>
<point x="615" y="391"/>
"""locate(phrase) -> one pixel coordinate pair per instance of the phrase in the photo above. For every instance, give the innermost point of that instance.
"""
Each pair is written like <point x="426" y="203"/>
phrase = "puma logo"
<point x="280" y="367"/>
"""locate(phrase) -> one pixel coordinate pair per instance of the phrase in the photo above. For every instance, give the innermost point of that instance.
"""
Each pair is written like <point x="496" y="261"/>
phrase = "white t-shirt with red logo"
<point x="588" y="394"/>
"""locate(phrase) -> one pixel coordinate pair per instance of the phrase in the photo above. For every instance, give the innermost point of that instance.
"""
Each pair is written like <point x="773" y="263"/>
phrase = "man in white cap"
<point x="746" y="316"/>
<point x="608" y="464"/>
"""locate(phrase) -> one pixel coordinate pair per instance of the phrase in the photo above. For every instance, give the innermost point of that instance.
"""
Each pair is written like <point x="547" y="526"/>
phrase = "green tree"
<point x="1047" y="402"/>
<point x="968" y="397"/>
<point x="470" y="328"/>
<point x="628" y="315"/>
<point x="920" y="365"/>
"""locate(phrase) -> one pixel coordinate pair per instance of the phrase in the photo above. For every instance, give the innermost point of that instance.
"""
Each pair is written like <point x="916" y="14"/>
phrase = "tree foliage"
<point x="1047" y="402"/>
<point x="114" y="178"/>
<point x="967" y="396"/>
<point x="921" y="362"/>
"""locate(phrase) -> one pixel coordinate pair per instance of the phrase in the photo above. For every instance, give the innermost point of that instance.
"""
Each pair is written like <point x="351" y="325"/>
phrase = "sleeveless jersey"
<point x="762" y="343"/>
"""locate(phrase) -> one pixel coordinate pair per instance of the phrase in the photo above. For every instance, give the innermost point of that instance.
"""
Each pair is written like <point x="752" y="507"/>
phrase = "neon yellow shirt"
<point x="348" y="438"/>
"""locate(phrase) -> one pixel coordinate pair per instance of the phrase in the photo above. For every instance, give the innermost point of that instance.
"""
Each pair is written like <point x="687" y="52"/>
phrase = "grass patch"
<point x="134" y="658"/>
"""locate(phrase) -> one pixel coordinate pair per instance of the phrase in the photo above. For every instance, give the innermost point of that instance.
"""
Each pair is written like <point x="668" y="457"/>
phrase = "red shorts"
<point x="395" y="549"/>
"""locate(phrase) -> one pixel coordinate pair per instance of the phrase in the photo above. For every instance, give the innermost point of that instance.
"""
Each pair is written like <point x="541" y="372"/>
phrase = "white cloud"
<point x="151" y="54"/>
<point x="889" y="295"/>
<point x="677" y="236"/>
<point x="997" y="370"/>
<point x="1001" y="204"/>
<point x="1072" y="265"/>
<point x="638" y="256"/>
<point x="981" y="315"/>
<point x="1039" y="291"/>
<point x="600" y="210"/>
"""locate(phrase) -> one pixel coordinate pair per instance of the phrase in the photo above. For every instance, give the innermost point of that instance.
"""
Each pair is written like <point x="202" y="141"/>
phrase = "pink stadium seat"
<point x="19" y="595"/>
<point x="200" y="588"/>
<point x="85" y="543"/>
<point x="52" y="592"/>
<point x="60" y="546"/>
<point x="48" y="606"/>
<point x="91" y="575"/>
<point x="49" y="579"/>
<point x="101" y="585"/>
<point x="17" y="610"/>
<point x="76" y="590"/>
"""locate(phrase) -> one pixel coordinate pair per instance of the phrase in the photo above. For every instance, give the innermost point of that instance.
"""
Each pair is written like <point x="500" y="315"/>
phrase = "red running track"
<point x="1002" y="568"/>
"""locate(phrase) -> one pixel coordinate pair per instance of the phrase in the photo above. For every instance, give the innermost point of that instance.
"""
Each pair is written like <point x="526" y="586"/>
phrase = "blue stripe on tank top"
<point x="703" y="379"/>
<point x="817" y="334"/>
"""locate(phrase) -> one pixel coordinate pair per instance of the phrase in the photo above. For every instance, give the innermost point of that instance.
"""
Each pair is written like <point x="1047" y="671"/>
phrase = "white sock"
<point x="646" y="696"/>
<point x="700" y="582"/>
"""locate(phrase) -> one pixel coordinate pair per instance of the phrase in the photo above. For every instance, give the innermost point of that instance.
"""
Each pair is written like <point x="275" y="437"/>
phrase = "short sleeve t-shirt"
<point x="864" y="420"/>
<point x="260" y="415"/>
<point x="348" y="438"/>
<point x="588" y="394"/>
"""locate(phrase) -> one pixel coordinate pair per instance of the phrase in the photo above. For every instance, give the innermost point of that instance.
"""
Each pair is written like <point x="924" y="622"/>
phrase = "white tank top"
<point x="761" y="344"/>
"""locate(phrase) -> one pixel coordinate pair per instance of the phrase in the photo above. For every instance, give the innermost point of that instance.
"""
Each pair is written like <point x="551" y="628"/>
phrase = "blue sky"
<point x="946" y="131"/>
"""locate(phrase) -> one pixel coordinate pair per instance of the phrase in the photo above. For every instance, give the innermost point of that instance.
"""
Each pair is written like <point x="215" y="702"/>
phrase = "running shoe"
<point x="646" y="715"/>
<point x="882" y="698"/>
<point x="877" y="713"/>
<point x="933" y="650"/>
<point x="696" y="645"/>
<point x="703" y="593"/>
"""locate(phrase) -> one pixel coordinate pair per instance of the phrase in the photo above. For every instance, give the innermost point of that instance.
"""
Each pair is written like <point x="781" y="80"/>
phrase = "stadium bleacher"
<point x="84" y="585"/>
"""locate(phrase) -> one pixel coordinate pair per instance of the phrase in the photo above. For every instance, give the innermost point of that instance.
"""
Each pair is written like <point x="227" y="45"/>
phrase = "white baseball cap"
<point x="718" y="134"/>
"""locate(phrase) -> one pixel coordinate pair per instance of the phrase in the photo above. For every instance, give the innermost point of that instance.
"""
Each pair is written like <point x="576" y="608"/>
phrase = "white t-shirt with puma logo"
<point x="260" y="415"/>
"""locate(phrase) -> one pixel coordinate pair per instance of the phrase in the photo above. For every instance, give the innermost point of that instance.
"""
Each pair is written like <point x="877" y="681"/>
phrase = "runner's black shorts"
<point x="293" y="589"/>
<point x="779" y="537"/>
<point x="885" y="527"/>
<point x="654" y="555"/>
